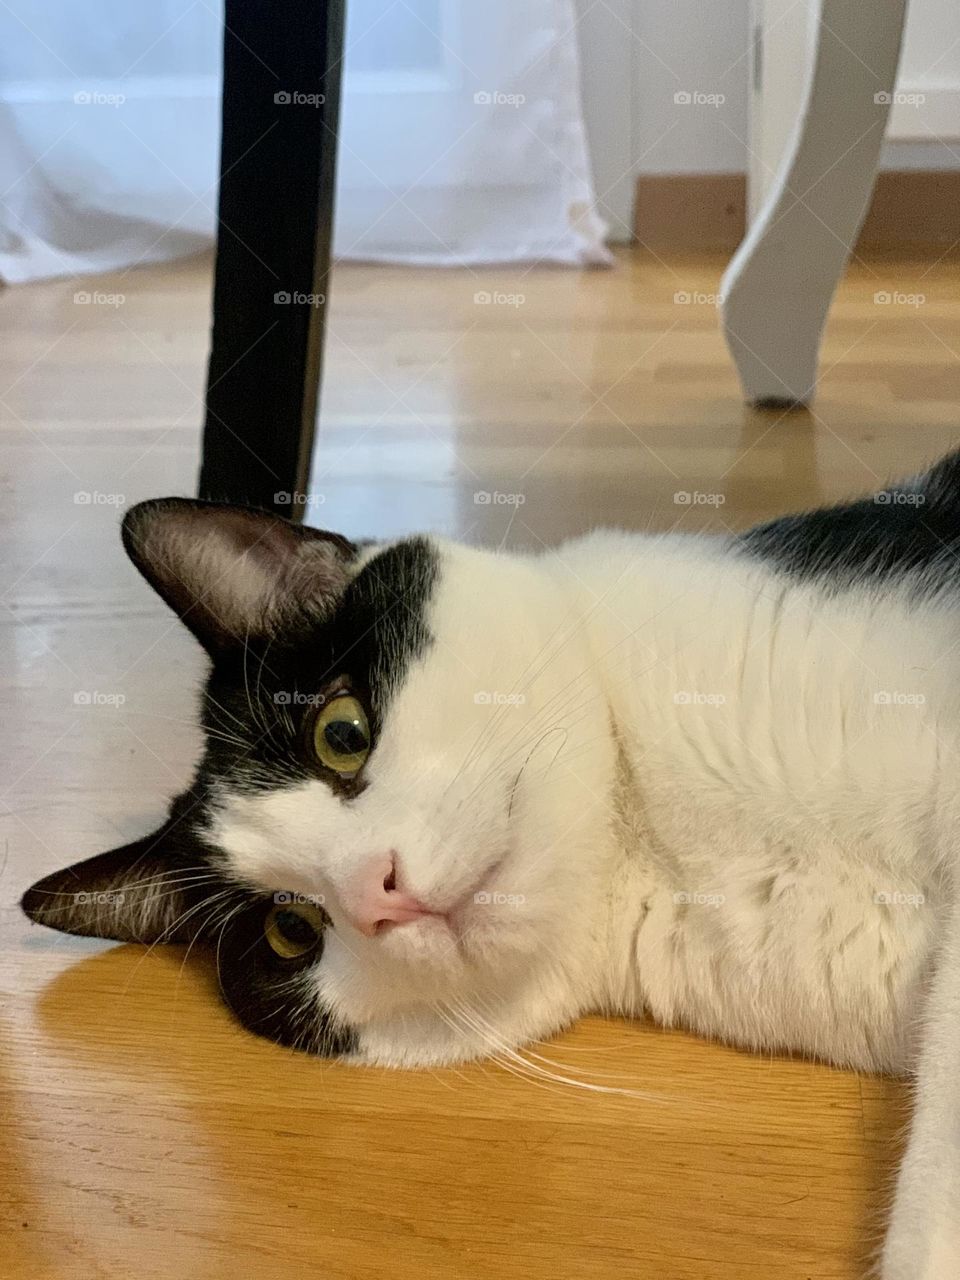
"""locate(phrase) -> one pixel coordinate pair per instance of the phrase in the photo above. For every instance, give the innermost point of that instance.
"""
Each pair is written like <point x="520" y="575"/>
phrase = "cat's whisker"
<point x="180" y="920"/>
<point x="542" y="1073"/>
<point x="208" y="924"/>
<point x="506" y="1056"/>
<point x="225" y="711"/>
<point x="72" y="898"/>
<point x="220" y="934"/>
<point x="602" y="1075"/>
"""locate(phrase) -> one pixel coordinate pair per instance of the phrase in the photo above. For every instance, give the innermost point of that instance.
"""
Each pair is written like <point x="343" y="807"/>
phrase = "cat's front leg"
<point x="923" y="1240"/>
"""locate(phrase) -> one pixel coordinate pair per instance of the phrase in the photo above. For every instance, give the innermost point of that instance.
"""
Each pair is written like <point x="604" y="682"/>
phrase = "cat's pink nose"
<point x="372" y="902"/>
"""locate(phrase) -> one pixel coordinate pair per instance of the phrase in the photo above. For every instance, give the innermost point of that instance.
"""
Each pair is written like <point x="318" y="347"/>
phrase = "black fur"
<point x="911" y="531"/>
<point x="271" y="996"/>
<point x="377" y="630"/>
<point x="257" y="710"/>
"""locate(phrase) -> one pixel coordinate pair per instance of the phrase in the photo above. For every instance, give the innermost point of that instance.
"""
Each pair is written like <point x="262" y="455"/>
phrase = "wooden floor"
<point x="143" y="1135"/>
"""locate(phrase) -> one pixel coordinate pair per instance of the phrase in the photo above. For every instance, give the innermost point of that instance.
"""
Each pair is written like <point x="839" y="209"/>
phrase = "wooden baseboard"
<point x="912" y="209"/>
<point x="696" y="211"/>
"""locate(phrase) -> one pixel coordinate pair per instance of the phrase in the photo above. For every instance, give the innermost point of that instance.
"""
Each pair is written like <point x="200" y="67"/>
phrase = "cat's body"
<point x="789" y="783"/>
<point x="713" y="781"/>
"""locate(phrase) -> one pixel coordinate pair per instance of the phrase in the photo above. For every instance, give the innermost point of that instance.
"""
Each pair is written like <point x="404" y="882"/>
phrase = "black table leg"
<point x="281" y="97"/>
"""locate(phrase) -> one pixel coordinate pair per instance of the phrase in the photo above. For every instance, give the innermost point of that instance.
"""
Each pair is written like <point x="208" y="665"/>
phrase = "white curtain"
<point x="462" y="138"/>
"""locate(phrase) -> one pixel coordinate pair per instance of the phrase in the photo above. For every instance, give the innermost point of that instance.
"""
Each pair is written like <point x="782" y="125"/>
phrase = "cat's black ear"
<point x="231" y="572"/>
<point x="147" y="891"/>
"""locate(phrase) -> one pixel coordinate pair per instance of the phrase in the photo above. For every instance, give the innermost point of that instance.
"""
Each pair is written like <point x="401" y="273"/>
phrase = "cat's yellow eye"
<point x="341" y="736"/>
<point x="293" y="928"/>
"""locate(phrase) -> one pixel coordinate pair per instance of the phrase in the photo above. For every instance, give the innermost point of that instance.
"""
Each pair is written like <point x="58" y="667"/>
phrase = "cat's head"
<point x="394" y="841"/>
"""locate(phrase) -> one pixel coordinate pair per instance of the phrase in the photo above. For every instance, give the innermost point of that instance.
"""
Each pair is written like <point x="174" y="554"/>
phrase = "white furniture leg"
<point x="779" y="285"/>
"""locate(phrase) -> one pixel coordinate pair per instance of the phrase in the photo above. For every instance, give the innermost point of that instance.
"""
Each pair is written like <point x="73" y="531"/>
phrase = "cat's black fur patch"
<point x="378" y="628"/>
<point x="258" y="699"/>
<point x="171" y="886"/>
<point x="150" y="890"/>
<point x="271" y="996"/>
<point x="910" y="531"/>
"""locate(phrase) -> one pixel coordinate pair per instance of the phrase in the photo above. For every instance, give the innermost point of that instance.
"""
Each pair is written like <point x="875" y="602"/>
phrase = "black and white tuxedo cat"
<point x="452" y="799"/>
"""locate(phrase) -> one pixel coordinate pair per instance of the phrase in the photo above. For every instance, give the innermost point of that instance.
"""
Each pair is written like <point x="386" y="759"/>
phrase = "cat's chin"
<point x="428" y="965"/>
<point x="480" y="1014"/>
<point x="435" y="1040"/>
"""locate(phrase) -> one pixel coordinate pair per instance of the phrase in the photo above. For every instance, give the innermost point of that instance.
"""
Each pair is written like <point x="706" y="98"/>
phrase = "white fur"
<point x="725" y="799"/>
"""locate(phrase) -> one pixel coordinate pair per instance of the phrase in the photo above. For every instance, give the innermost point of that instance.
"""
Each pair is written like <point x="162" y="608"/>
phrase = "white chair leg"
<point x="778" y="287"/>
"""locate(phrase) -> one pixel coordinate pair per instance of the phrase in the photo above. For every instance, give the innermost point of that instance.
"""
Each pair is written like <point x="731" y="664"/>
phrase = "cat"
<point x="451" y="799"/>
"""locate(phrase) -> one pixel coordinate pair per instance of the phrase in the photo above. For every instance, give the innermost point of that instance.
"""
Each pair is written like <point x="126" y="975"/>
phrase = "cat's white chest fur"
<point x="788" y="793"/>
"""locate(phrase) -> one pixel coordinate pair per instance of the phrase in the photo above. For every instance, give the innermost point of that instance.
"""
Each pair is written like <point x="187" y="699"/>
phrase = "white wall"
<point x="703" y="46"/>
<point x="690" y="46"/>
<point x="926" y="135"/>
